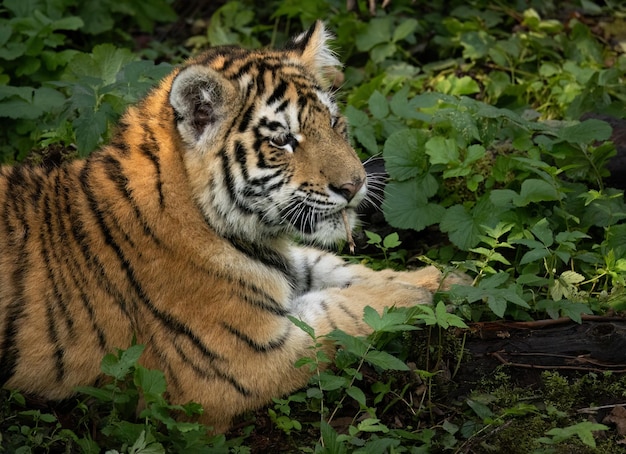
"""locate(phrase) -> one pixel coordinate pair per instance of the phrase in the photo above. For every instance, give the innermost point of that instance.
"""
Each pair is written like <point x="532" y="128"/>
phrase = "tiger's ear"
<point x="200" y="98"/>
<point x="313" y="50"/>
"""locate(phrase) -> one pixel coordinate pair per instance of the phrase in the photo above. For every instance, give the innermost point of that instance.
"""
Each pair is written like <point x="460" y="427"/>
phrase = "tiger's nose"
<point x="348" y="190"/>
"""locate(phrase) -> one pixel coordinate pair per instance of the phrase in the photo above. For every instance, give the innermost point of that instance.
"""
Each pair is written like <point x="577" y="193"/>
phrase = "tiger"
<point x="201" y="230"/>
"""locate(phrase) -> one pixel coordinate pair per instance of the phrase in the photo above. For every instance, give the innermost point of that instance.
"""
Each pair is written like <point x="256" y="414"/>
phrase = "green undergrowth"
<point x="490" y="117"/>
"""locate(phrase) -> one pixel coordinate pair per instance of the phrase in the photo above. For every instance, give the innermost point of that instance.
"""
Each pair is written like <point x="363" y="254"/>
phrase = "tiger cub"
<point x="180" y="233"/>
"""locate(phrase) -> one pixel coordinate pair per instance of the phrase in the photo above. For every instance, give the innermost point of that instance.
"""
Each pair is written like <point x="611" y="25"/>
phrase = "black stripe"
<point x="16" y="307"/>
<point x="116" y="174"/>
<point x="351" y="314"/>
<point x="203" y="373"/>
<point x="267" y="256"/>
<point x="278" y="92"/>
<point x="53" y="336"/>
<point x="229" y="179"/>
<point x="260" y="348"/>
<point x="148" y="146"/>
<point x="331" y="322"/>
<point x="99" y="216"/>
<point x="169" y="321"/>
<point x="246" y="118"/>
<point x="76" y="272"/>
<point x="47" y="239"/>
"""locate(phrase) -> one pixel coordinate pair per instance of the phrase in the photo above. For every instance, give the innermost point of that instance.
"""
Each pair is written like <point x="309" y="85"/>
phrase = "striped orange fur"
<point x="180" y="232"/>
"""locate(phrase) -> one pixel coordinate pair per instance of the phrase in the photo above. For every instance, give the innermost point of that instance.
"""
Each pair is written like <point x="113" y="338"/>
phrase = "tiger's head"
<point x="265" y="146"/>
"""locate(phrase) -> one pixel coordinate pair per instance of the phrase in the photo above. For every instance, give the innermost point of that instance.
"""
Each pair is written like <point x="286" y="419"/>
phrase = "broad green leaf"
<point x="534" y="190"/>
<point x="372" y="425"/>
<point x="534" y="255"/>
<point x="476" y="44"/>
<point x="152" y="382"/>
<point x="378" y="105"/>
<point x="404" y="154"/>
<point x="357" y="395"/>
<point x="331" y="382"/>
<point x="392" y="241"/>
<point x="103" y="64"/>
<point x="118" y="368"/>
<point x="390" y="321"/>
<point x="329" y="438"/>
<point x="382" y="51"/>
<point x="407" y="207"/>
<point x="90" y="128"/>
<point x="404" y="29"/>
<point x="465" y="228"/>
<point x="586" y="132"/>
<point x="355" y="345"/>
<point x="543" y="232"/>
<point x="385" y="360"/>
<point x="481" y="410"/>
<point x="378" y="31"/>
<point x="442" y="150"/>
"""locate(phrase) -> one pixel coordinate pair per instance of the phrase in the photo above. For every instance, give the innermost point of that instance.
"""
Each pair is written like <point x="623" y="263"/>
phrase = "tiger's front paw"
<point x="432" y="279"/>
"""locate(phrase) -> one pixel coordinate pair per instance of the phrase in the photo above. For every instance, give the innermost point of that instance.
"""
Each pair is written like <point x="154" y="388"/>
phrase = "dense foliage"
<point x="489" y="117"/>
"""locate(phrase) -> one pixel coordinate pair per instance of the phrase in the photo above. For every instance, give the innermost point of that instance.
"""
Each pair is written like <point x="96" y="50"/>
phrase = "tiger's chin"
<point x="330" y="231"/>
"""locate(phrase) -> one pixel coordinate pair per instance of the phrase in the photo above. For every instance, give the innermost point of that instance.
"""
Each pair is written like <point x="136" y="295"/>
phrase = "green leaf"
<point x="404" y="154"/>
<point x="406" y="205"/>
<point x="464" y="228"/>
<point x="303" y="326"/>
<point x="372" y="425"/>
<point x="584" y="430"/>
<point x="152" y="382"/>
<point x="378" y="105"/>
<point x="442" y="150"/>
<point x="329" y="437"/>
<point x="586" y="132"/>
<point x="534" y="190"/>
<point x="543" y="232"/>
<point x="392" y="241"/>
<point x="357" y="395"/>
<point x="404" y="29"/>
<point x="390" y="321"/>
<point x="377" y="31"/>
<point x="330" y="382"/>
<point x="481" y="410"/>
<point x="119" y="367"/>
<point x="103" y="64"/>
<point x="355" y="345"/>
<point x="385" y="360"/>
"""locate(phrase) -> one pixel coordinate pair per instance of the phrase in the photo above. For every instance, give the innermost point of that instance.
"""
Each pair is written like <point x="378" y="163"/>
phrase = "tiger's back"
<point x="179" y="233"/>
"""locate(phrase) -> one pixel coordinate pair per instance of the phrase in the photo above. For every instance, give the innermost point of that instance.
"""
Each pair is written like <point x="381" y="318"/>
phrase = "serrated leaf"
<point x="392" y="241"/>
<point x="357" y="395"/>
<point x="442" y="150"/>
<point x="385" y="360"/>
<point x="404" y="154"/>
<point x="465" y="228"/>
<point x="571" y="277"/>
<point x="331" y="382"/>
<point x="534" y="190"/>
<point x="534" y="255"/>
<point x="377" y="31"/>
<point x="152" y="382"/>
<point x="481" y="410"/>
<point x="586" y="132"/>
<point x="406" y="208"/>
<point x="378" y="105"/>
<point x="102" y="64"/>
<point x="389" y="322"/>
<point x="372" y="425"/>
